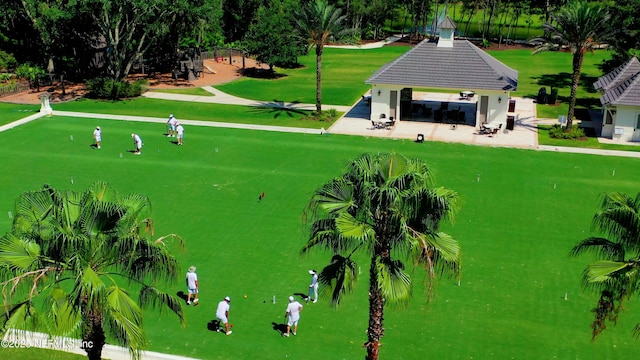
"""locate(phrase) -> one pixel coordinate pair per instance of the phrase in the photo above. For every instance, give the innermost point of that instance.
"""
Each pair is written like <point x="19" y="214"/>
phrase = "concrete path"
<point x="224" y="98"/>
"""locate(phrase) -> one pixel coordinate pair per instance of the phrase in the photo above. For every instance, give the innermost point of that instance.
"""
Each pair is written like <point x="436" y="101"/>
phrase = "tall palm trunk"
<point x="375" y="331"/>
<point x="93" y="338"/>
<point x="578" y="57"/>
<point x="319" y="78"/>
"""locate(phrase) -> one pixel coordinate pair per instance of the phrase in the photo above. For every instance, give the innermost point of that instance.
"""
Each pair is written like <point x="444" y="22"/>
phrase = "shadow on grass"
<point x="279" y="108"/>
<point x="214" y="325"/>
<point x="563" y="80"/>
<point x="182" y="295"/>
<point x="257" y="73"/>
<point x="280" y="328"/>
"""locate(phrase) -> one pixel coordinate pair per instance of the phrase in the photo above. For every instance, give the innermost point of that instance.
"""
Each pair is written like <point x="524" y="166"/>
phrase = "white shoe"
<point x="229" y="332"/>
<point x="315" y="301"/>
<point x="188" y="302"/>
<point x="294" y="333"/>
<point x="285" y="334"/>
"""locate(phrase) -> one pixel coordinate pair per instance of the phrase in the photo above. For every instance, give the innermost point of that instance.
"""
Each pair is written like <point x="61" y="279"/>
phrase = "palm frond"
<point x="124" y="318"/>
<point x="338" y="278"/>
<point x="601" y="247"/>
<point x="395" y="284"/>
<point x="61" y="313"/>
<point x="151" y="297"/>
<point x="18" y="254"/>
<point x="603" y="270"/>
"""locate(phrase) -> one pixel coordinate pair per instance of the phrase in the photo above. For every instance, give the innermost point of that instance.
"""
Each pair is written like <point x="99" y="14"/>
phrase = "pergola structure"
<point x="446" y="64"/>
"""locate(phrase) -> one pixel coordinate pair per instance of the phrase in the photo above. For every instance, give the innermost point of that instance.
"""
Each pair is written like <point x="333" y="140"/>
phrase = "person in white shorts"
<point x="172" y="122"/>
<point x="192" y="286"/>
<point x="180" y="131"/>
<point x="222" y="314"/>
<point x="137" y="142"/>
<point x="97" y="136"/>
<point x="292" y="315"/>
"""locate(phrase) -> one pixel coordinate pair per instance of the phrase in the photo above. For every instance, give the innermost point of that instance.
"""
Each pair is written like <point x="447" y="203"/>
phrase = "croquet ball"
<point x="245" y="296"/>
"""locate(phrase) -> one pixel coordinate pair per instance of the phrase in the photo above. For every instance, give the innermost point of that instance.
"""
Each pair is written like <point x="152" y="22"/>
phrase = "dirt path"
<point x="221" y="72"/>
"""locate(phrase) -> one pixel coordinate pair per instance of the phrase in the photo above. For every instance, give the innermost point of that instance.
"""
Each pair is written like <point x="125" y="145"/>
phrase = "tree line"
<point x="87" y="38"/>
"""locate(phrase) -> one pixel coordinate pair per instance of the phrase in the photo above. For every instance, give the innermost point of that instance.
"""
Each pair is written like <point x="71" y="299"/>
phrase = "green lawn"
<point x="522" y="210"/>
<point x="12" y="112"/>
<point x="343" y="74"/>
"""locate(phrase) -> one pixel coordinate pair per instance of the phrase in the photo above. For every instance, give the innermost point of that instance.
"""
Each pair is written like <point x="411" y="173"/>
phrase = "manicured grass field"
<point x="522" y="211"/>
<point x="12" y="112"/>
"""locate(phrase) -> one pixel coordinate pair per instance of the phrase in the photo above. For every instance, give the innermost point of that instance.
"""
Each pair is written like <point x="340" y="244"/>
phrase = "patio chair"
<point x="496" y="130"/>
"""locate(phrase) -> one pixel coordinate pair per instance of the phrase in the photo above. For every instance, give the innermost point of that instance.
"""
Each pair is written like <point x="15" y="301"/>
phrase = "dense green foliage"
<point x="60" y="261"/>
<point x="614" y="276"/>
<point x="105" y="88"/>
<point x="386" y="207"/>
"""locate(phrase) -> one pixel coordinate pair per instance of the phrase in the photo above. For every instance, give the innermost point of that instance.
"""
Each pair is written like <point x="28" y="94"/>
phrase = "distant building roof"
<point x="622" y="85"/>
<point x="618" y="76"/>
<point x="463" y="66"/>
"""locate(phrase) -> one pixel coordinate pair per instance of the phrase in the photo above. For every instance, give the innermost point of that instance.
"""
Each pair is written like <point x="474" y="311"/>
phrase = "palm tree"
<point x="318" y="22"/>
<point x="385" y="206"/>
<point x="72" y="252"/>
<point x="615" y="274"/>
<point x="578" y="25"/>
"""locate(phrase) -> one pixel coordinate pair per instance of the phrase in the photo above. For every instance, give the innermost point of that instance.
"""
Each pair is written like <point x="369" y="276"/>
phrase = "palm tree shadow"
<point x="279" y="108"/>
<point x="281" y="328"/>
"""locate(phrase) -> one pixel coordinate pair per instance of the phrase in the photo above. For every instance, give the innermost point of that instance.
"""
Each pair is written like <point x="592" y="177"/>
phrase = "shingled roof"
<point x="622" y="85"/>
<point x="463" y="66"/>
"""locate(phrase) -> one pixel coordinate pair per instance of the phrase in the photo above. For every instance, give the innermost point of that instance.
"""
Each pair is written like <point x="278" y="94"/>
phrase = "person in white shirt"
<point x="313" y="287"/>
<point x="180" y="131"/>
<point x="172" y="122"/>
<point x="292" y="315"/>
<point x="97" y="136"/>
<point x="192" y="286"/>
<point x="222" y="314"/>
<point x="137" y="142"/>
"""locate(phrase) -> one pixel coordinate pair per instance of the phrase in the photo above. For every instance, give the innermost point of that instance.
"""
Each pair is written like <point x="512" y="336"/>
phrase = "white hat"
<point x="227" y="298"/>
<point x="171" y="115"/>
<point x="312" y="272"/>
<point x="133" y="135"/>
<point x="291" y="298"/>
<point x="98" y="127"/>
<point x="192" y="269"/>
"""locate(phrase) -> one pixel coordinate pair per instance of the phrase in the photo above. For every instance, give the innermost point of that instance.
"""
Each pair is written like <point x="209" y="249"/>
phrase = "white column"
<point x="45" y="107"/>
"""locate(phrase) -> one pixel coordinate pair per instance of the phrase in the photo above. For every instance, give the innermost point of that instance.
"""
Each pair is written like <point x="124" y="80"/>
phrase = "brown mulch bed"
<point x="217" y="73"/>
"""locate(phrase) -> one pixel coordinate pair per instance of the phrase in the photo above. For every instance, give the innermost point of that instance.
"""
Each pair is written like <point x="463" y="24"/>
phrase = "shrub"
<point x="326" y="115"/>
<point x="553" y="96"/>
<point x="103" y="88"/>
<point x="558" y="132"/>
<point x="30" y="73"/>
<point x="7" y="61"/>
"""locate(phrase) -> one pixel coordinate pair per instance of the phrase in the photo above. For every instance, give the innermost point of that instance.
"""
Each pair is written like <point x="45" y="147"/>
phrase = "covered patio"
<point x="481" y="83"/>
<point x="524" y="134"/>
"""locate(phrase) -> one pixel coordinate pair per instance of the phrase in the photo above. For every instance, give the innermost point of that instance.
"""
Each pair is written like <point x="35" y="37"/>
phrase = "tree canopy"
<point x="385" y="207"/>
<point x="72" y="259"/>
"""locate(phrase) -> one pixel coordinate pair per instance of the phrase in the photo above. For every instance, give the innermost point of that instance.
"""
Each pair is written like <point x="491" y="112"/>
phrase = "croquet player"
<point x="313" y="287"/>
<point x="97" y="136"/>
<point x="192" y="286"/>
<point x="137" y="143"/>
<point x="222" y="314"/>
<point x="180" y="131"/>
<point x="293" y="315"/>
<point x="172" y="122"/>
